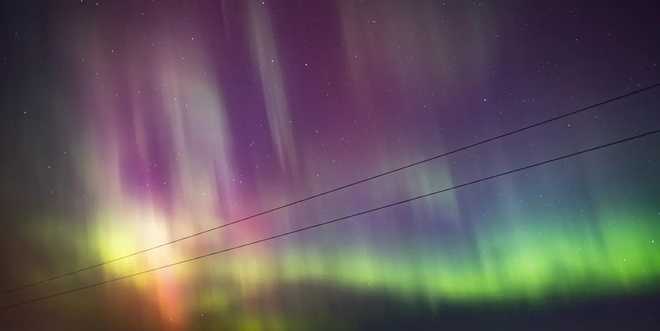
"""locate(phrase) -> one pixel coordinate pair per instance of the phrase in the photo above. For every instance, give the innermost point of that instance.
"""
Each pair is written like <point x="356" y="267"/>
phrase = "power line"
<point x="335" y="220"/>
<point x="339" y="188"/>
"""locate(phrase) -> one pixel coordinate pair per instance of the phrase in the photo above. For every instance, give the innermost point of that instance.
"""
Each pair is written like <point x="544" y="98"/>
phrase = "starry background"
<point x="126" y="124"/>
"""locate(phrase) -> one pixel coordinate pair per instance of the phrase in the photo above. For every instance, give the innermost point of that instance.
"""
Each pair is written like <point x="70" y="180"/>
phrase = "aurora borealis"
<point x="127" y="124"/>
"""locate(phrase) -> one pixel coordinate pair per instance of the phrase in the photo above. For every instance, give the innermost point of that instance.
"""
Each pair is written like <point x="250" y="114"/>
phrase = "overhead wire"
<point x="336" y="220"/>
<point x="338" y="188"/>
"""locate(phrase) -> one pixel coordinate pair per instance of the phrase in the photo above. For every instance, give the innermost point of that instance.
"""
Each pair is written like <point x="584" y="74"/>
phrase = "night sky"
<point x="126" y="124"/>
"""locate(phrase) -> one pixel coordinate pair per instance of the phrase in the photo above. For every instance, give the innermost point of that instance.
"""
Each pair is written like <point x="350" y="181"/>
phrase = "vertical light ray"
<point x="273" y="84"/>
